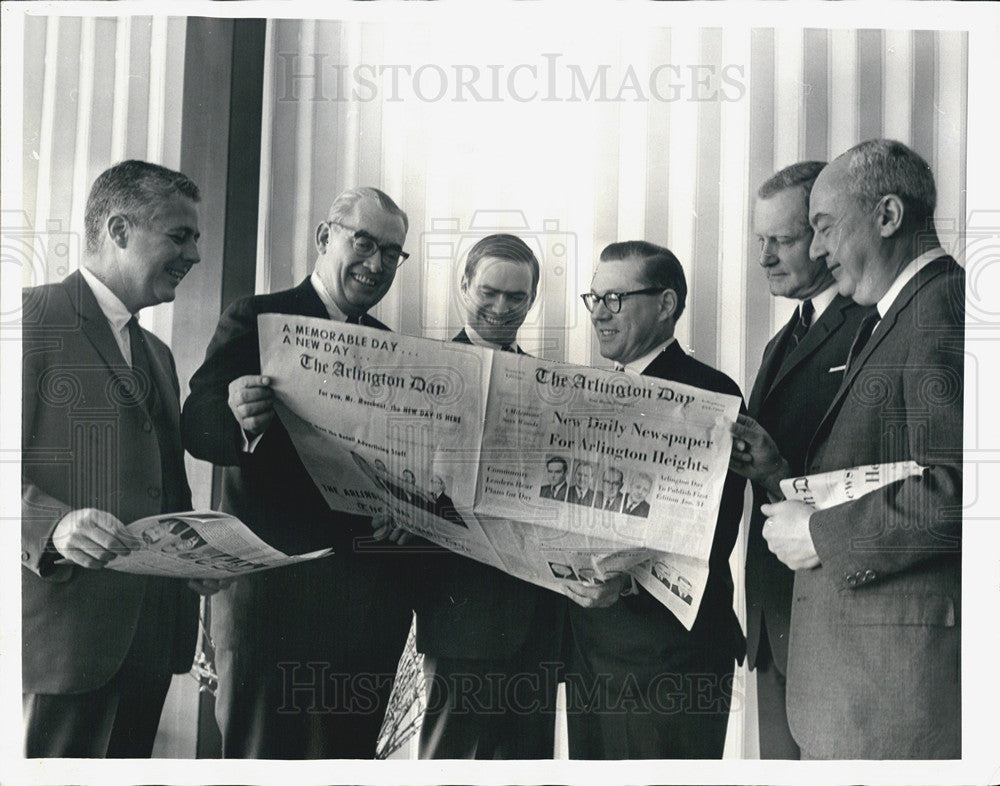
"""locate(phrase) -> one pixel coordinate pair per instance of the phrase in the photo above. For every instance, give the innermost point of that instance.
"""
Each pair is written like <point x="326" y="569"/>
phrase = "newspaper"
<point x="504" y="458"/>
<point x="844" y="485"/>
<point x="201" y="544"/>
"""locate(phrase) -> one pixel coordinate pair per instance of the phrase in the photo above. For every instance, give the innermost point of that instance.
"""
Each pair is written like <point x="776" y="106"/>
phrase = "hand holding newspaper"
<point x="201" y="544"/>
<point x="551" y="472"/>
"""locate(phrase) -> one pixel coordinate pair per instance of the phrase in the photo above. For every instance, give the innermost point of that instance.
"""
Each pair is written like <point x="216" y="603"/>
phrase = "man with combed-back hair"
<point x="101" y="447"/>
<point x="874" y="651"/>
<point x="801" y="370"/>
<point x="306" y="654"/>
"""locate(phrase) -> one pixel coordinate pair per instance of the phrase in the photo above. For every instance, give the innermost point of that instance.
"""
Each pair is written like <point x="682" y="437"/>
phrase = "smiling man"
<point x="101" y="448"/>
<point x="306" y="654"/>
<point x="622" y="657"/>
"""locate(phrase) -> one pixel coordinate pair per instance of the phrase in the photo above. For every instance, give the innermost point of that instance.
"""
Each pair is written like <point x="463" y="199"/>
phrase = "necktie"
<point x="865" y="330"/>
<point x="806" y="311"/>
<point x="140" y="364"/>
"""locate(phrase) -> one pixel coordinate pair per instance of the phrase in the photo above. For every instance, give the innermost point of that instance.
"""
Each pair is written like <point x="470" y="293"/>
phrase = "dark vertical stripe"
<point x="924" y="84"/>
<point x="703" y="268"/>
<point x="871" y="83"/>
<point x="816" y="101"/>
<point x="762" y="124"/>
<point x="246" y="92"/>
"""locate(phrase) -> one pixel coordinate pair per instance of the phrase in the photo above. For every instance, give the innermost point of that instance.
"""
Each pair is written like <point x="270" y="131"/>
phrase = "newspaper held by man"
<point x="844" y="485"/>
<point x="551" y="472"/>
<point x="201" y="544"/>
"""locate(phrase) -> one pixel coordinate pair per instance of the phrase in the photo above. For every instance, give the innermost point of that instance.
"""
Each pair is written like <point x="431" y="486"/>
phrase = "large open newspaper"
<point x="551" y="472"/>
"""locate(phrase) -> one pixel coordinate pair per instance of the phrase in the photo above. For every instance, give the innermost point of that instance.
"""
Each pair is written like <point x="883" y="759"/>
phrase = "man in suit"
<point x="555" y="468"/>
<point x="306" y="654"/>
<point x="874" y="651"/>
<point x="489" y="639"/>
<point x="581" y="493"/>
<point x="610" y="496"/>
<point x="623" y="656"/>
<point x="441" y="504"/>
<point x="802" y="367"/>
<point x="101" y="447"/>
<point x="635" y="503"/>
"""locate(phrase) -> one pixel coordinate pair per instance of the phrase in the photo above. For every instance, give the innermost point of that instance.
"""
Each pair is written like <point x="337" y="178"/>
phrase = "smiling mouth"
<point x="364" y="279"/>
<point x="495" y="321"/>
<point x="606" y="333"/>
<point x="177" y="274"/>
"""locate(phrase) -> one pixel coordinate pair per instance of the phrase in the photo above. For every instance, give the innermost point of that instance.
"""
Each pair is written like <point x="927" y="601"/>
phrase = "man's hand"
<point x="383" y="527"/>
<point x="206" y="587"/>
<point x="755" y="456"/>
<point x="787" y="533"/>
<point x="597" y="596"/>
<point x="92" y="538"/>
<point x="251" y="400"/>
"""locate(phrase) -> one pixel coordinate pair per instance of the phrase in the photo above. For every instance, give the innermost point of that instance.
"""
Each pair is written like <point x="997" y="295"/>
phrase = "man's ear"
<point x="464" y="284"/>
<point x="322" y="236"/>
<point x="889" y="215"/>
<point x="668" y="304"/>
<point x="117" y="229"/>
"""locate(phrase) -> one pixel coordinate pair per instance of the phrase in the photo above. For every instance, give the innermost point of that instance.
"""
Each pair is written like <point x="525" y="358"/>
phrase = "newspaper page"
<point x="844" y="485"/>
<point x="457" y="442"/>
<point x="201" y="544"/>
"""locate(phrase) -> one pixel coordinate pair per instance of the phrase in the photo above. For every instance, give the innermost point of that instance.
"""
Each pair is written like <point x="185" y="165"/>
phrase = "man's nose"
<point x="817" y="250"/>
<point x="767" y="256"/>
<point x="374" y="262"/>
<point x="191" y="251"/>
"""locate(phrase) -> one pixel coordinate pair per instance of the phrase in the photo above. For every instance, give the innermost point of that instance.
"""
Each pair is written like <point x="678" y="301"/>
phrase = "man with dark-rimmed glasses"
<point x="638" y="684"/>
<point x="306" y="654"/>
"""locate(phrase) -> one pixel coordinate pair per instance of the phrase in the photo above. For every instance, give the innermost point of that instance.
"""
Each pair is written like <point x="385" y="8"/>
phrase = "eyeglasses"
<point x="613" y="300"/>
<point x="366" y="245"/>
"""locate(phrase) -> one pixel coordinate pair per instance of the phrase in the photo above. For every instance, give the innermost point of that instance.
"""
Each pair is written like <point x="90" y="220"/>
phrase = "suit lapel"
<point x="93" y="323"/>
<point x="831" y="319"/>
<point x="768" y="366"/>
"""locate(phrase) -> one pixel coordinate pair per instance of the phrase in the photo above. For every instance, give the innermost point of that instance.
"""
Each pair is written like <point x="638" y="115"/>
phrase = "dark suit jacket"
<point x="788" y="399"/>
<point x="616" y="503"/>
<point x="87" y="441"/>
<point x="638" y="634"/>
<point x="587" y="498"/>
<point x="874" y="656"/>
<point x="642" y="509"/>
<point x="347" y="609"/>
<point x="466" y="609"/>
<point x="559" y="495"/>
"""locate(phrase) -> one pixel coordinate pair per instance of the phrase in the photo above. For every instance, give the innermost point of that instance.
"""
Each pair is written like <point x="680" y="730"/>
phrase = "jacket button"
<point x="153" y="492"/>
<point x="25" y="556"/>
<point x="851" y="580"/>
<point x="147" y="426"/>
<point x="869" y="575"/>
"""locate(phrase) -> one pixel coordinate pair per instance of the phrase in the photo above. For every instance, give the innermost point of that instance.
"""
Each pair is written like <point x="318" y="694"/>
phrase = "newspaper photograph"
<point x="552" y="472"/>
<point x="201" y="544"/>
<point x="845" y="485"/>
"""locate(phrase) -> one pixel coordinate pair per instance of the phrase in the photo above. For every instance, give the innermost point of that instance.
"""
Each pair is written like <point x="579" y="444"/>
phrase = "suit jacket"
<point x="466" y="609"/>
<point x="788" y="399"/>
<point x="87" y="441"/>
<point x="587" y="498"/>
<point x="642" y="509"/>
<point x="560" y="493"/>
<point x="347" y="609"/>
<point x="638" y="634"/>
<point x="874" y="656"/>
<point x="616" y="503"/>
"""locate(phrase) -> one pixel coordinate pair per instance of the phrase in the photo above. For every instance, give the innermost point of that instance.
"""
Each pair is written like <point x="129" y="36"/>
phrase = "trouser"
<point x="776" y="741"/>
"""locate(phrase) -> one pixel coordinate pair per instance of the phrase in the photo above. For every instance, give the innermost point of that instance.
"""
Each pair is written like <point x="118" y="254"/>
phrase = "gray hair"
<point x="879" y="167"/>
<point x="345" y="202"/>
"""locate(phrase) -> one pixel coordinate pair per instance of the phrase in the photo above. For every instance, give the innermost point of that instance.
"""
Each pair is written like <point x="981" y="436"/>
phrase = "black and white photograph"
<point x="790" y="205"/>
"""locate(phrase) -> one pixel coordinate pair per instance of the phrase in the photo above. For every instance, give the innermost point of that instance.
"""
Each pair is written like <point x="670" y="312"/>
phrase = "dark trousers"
<point x="489" y="709"/>
<point x="119" y="719"/>
<point x="776" y="740"/>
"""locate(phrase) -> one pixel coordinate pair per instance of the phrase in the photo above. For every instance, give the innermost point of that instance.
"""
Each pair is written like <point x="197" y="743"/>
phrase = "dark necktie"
<point x="865" y="330"/>
<point x="140" y="365"/>
<point x="806" y="311"/>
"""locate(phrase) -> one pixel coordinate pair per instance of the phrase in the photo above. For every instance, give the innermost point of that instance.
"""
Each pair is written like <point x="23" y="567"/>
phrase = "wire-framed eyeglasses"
<point x="613" y="300"/>
<point x="366" y="245"/>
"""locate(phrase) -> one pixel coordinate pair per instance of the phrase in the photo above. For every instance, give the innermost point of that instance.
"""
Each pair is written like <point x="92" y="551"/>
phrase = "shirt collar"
<point x="822" y="300"/>
<point x="639" y="365"/>
<point x="479" y="341"/>
<point x="331" y="308"/>
<point x="908" y="272"/>
<point x="114" y="310"/>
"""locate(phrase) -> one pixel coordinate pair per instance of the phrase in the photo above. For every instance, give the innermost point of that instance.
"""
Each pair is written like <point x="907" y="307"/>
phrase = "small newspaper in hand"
<point x="845" y="485"/>
<point x="201" y="544"/>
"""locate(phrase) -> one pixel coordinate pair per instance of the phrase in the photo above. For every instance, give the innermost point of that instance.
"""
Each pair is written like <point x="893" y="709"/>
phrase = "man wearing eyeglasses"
<point x="305" y="654"/>
<point x="639" y="685"/>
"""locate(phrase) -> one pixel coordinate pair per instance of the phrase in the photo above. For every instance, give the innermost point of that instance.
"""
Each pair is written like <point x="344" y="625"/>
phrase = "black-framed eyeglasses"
<point x="613" y="300"/>
<point x="366" y="245"/>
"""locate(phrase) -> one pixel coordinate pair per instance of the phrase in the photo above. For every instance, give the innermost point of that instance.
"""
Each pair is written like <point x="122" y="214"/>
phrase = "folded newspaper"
<point x="201" y="544"/>
<point x="551" y="472"/>
<point x="844" y="485"/>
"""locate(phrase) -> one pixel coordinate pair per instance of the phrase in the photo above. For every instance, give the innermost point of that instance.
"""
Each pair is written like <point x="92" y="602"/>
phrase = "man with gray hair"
<point x="101" y="447"/>
<point x="802" y="368"/>
<point x="306" y="654"/>
<point x="874" y="655"/>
